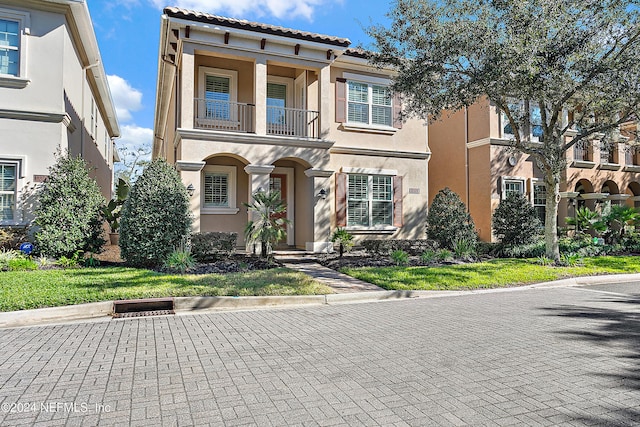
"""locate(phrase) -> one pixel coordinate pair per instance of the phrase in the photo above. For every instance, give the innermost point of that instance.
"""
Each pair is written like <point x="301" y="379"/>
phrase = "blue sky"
<point x="128" y="32"/>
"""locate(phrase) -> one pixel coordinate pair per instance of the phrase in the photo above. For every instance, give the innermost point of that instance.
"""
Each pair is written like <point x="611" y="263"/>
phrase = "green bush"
<point x="69" y="262"/>
<point x="400" y="257"/>
<point x="444" y="255"/>
<point x="155" y="216"/>
<point x="8" y="255"/>
<point x="410" y="246"/>
<point x="22" y="264"/>
<point x="449" y="221"/>
<point x="180" y="260"/>
<point x="464" y="249"/>
<point x="428" y="256"/>
<point x="12" y="237"/>
<point x="68" y="215"/>
<point x="344" y="240"/>
<point x="530" y="250"/>
<point x="515" y="221"/>
<point x="213" y="246"/>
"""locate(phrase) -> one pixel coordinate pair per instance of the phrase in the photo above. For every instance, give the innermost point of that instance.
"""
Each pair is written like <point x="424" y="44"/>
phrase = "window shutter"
<point x="341" y="100"/>
<point x="397" y="111"/>
<point x="341" y="199"/>
<point x="397" y="201"/>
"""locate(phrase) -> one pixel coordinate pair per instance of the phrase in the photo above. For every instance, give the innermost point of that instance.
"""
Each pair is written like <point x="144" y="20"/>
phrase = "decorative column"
<point x="187" y="86"/>
<point x="325" y="98"/>
<point x="190" y="174"/>
<point x="260" y="83"/>
<point x="321" y="200"/>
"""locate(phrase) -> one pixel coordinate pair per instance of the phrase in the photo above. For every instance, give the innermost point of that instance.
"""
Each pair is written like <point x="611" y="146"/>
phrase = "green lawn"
<point x="490" y="274"/>
<point x="21" y="290"/>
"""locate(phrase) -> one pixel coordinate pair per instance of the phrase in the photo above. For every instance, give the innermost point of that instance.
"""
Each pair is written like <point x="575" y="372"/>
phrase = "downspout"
<point x="466" y="156"/>
<point x="83" y="121"/>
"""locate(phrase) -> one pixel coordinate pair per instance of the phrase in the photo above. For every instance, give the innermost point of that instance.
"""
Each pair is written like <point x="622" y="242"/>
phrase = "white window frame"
<point x="370" y="81"/>
<point x="504" y="121"/>
<point x="24" y="27"/>
<point x="19" y="165"/>
<point x="532" y="191"/>
<point x="370" y="201"/>
<point x="512" y="179"/>
<point x="231" y="172"/>
<point x="232" y="75"/>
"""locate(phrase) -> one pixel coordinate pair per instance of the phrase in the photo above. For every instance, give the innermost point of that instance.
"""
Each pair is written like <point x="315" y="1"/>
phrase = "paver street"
<point x="527" y="357"/>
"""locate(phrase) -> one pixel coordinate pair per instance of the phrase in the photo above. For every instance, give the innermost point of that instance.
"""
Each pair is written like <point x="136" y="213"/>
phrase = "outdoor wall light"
<point x="190" y="190"/>
<point x="322" y="194"/>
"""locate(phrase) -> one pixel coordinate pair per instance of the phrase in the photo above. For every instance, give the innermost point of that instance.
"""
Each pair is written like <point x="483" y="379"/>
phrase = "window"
<point x="539" y="200"/>
<point x="512" y="185"/>
<point x="369" y="200"/>
<point x="8" y="181"/>
<point x="276" y="103"/>
<point x="368" y="104"/>
<point x="217" y="94"/>
<point x="517" y="110"/>
<point x="219" y="190"/>
<point x="9" y="47"/>
<point x="94" y="119"/>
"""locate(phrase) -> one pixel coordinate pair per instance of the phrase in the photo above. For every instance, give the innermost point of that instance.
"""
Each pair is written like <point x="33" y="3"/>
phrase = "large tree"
<point x="547" y="57"/>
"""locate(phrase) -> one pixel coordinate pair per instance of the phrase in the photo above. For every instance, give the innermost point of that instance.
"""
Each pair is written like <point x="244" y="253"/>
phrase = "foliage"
<point x="586" y="220"/>
<point x="213" y="246"/>
<point x="515" y="221"/>
<point x="385" y="246"/>
<point x="132" y="163"/>
<point x="495" y="273"/>
<point x="267" y="226"/>
<point x="534" y="60"/>
<point x="530" y="250"/>
<point x="464" y="248"/>
<point x="428" y="256"/>
<point x="22" y="264"/>
<point x="12" y="237"/>
<point x="618" y="219"/>
<point x="91" y="261"/>
<point x="543" y="260"/>
<point x="344" y="240"/>
<point x="449" y="221"/>
<point x="571" y="260"/>
<point x="8" y="255"/>
<point x="180" y="260"/>
<point x="112" y="211"/>
<point x="155" y="216"/>
<point x="68" y="215"/>
<point x="400" y="257"/>
<point x="50" y="288"/>
<point x="444" y="255"/>
<point x="69" y="262"/>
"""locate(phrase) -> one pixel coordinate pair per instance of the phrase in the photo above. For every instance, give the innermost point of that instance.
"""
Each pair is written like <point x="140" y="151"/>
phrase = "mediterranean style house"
<point x="243" y="107"/>
<point x="481" y="168"/>
<point x="53" y="96"/>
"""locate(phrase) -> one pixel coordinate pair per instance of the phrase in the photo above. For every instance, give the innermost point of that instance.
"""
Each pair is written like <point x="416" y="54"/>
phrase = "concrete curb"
<point x="103" y="310"/>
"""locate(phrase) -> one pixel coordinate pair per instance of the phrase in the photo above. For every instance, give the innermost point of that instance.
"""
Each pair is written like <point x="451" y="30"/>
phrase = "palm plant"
<point x="619" y="217"/>
<point x="267" y="226"/>
<point x="585" y="220"/>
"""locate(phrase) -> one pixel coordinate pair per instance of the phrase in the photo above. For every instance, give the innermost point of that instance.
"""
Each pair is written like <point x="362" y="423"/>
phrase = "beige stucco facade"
<point x="479" y="163"/>
<point x="56" y="98"/>
<point x="307" y="144"/>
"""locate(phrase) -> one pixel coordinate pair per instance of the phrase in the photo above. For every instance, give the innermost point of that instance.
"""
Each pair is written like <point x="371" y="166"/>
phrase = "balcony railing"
<point x="224" y="115"/>
<point x="630" y="157"/>
<point x="292" y="122"/>
<point x="606" y="156"/>
<point x="581" y="151"/>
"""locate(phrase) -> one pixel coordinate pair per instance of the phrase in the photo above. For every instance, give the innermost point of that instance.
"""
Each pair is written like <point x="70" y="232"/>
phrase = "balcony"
<point x="582" y="155"/>
<point x="238" y="117"/>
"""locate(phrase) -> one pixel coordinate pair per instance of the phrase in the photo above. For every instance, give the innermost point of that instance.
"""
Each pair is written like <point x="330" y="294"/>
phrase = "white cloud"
<point x="125" y="97"/>
<point x="240" y="8"/>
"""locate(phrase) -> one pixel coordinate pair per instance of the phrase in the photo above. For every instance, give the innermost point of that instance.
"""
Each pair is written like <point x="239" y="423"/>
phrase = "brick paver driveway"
<point x="527" y="357"/>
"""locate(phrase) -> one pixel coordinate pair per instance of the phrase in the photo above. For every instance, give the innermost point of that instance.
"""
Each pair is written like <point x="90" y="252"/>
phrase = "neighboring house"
<point x="243" y="107"/>
<point x="53" y="96"/>
<point x="482" y="169"/>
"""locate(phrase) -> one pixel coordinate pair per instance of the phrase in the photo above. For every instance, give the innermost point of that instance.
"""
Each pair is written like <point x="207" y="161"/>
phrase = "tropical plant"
<point x="449" y="221"/>
<point x="585" y="220"/>
<point x="444" y="255"/>
<point x="267" y="227"/>
<point x="464" y="248"/>
<point x="344" y="240"/>
<point x="514" y="221"/>
<point x="618" y="218"/>
<point x="533" y="60"/>
<point x="155" y="216"/>
<point x="400" y="257"/>
<point x="72" y="261"/>
<point x="112" y="211"/>
<point x="428" y="256"/>
<point x="68" y="215"/>
<point x="180" y="260"/>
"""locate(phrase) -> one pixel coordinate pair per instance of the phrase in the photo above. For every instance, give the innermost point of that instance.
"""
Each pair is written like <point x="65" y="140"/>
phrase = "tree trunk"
<point x="552" y="187"/>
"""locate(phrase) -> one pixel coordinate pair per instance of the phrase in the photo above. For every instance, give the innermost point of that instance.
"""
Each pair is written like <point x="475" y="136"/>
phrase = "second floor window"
<point x="217" y="96"/>
<point x="535" y="118"/>
<point x="368" y="104"/>
<point x="9" y="47"/>
<point x="276" y="103"/>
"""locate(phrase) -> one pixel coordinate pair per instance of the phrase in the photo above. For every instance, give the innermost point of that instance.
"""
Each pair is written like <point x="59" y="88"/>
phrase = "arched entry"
<point x="634" y="191"/>
<point x="584" y="187"/>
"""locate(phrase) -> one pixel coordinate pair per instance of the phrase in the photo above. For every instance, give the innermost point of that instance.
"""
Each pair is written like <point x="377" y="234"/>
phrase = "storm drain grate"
<point x="143" y="313"/>
<point x="143" y="307"/>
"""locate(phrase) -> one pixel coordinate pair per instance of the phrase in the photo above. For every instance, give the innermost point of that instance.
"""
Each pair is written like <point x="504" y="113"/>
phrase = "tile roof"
<point x="242" y="24"/>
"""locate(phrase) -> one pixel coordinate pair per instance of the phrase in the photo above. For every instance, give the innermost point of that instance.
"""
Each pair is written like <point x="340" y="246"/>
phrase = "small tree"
<point x="112" y="211"/>
<point x="68" y="215"/>
<point x="344" y="239"/>
<point x="449" y="221"/>
<point x="155" y="216"/>
<point x="515" y="221"/>
<point x="267" y="227"/>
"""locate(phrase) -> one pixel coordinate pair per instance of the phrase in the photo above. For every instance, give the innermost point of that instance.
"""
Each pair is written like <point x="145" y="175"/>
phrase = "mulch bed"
<point x="356" y="259"/>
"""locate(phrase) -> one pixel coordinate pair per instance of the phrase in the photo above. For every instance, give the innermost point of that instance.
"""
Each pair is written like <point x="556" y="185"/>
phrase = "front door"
<point x="278" y="182"/>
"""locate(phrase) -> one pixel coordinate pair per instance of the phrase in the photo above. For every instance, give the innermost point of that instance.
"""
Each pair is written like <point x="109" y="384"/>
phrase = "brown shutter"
<point x="341" y="100"/>
<point x="341" y="199"/>
<point x="397" y="111"/>
<point x="397" y="201"/>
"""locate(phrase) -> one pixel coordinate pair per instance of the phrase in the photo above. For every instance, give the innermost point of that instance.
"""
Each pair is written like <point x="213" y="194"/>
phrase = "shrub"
<point x="464" y="249"/>
<point x="344" y="240"/>
<point x="155" y="216"/>
<point x="400" y="257"/>
<point x="444" y="255"/>
<point x="180" y="260"/>
<point x="11" y="237"/>
<point x="448" y="220"/>
<point x="514" y="221"/>
<point x="22" y="264"/>
<point x="213" y="245"/>
<point x="68" y="215"/>
<point x="544" y="261"/>
<point x="428" y="256"/>
<point x="531" y="250"/>
<point x="69" y="262"/>
<point x="412" y="247"/>
<point x="571" y="260"/>
<point x="8" y="255"/>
